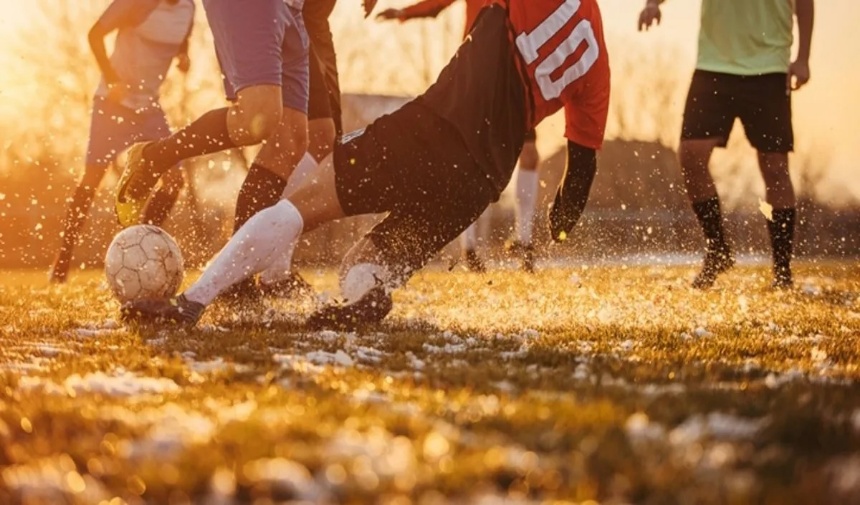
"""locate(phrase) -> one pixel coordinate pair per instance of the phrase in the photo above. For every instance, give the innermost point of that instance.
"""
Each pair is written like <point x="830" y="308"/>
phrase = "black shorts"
<point x="531" y="135"/>
<point x="324" y="85"/>
<point x="415" y="166"/>
<point x="759" y="101"/>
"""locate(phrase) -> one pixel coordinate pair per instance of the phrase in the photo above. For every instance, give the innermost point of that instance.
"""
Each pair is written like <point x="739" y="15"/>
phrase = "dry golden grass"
<point x="614" y="384"/>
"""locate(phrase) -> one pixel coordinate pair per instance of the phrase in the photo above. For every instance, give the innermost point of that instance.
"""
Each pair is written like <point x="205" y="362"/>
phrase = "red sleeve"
<point x="425" y="9"/>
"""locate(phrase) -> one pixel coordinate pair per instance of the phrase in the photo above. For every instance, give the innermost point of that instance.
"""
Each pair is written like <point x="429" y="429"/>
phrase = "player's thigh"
<point x="250" y="38"/>
<point x="766" y="113"/>
<point x="710" y="108"/>
<point x="319" y="106"/>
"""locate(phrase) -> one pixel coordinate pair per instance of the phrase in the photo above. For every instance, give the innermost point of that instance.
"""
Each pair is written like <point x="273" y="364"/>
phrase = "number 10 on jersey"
<point x="530" y="43"/>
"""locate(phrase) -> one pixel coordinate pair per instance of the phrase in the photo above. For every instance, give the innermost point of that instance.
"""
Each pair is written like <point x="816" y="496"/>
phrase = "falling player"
<point x="150" y="34"/>
<point x="527" y="175"/>
<point x="435" y="164"/>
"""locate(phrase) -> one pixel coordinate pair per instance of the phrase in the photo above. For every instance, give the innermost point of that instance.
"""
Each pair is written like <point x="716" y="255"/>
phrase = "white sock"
<point x="469" y="237"/>
<point x="361" y="278"/>
<point x="304" y="168"/>
<point x="527" y="192"/>
<point x="270" y="234"/>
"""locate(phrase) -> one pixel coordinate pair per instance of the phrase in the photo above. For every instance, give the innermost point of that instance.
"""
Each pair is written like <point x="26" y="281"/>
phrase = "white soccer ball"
<point x="143" y="261"/>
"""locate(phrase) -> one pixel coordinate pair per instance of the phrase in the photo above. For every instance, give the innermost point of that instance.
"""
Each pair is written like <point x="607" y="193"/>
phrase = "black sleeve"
<point x="572" y="194"/>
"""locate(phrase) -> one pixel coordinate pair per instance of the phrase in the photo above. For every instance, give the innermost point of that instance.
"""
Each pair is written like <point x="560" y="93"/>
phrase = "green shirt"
<point x="746" y="37"/>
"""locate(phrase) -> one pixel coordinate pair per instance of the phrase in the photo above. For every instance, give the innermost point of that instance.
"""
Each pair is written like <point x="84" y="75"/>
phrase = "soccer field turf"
<point x="614" y="384"/>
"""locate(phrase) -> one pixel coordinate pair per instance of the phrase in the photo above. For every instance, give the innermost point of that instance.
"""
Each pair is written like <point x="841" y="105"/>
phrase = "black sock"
<point x="262" y="189"/>
<point x="711" y="220"/>
<point x="781" y="230"/>
<point x="207" y="135"/>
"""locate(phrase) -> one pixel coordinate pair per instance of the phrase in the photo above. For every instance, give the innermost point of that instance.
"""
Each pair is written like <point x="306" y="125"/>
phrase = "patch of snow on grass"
<point x="121" y="384"/>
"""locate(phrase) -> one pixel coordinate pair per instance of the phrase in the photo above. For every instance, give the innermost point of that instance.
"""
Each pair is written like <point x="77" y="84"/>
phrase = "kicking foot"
<point x="716" y="262"/>
<point x="129" y="210"/>
<point x="179" y="310"/>
<point x="370" y="308"/>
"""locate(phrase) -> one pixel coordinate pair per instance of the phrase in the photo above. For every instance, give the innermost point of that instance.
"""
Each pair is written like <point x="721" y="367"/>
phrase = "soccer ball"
<point x="143" y="261"/>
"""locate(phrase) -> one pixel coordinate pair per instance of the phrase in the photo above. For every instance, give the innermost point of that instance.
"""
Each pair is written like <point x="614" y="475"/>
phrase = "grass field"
<point x="612" y="384"/>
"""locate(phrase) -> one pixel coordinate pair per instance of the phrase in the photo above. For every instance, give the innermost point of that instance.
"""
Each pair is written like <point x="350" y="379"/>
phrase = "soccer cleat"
<point x="526" y="252"/>
<point x="179" y="310"/>
<point x="370" y="308"/>
<point x="474" y="262"/>
<point x="292" y="287"/>
<point x="717" y="261"/>
<point x="129" y="210"/>
<point x="782" y="278"/>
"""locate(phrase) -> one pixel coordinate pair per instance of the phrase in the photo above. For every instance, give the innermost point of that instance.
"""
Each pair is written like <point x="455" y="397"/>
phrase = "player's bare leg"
<point x="695" y="156"/>
<point x="76" y="215"/>
<point x="526" y="201"/>
<point x="780" y="225"/>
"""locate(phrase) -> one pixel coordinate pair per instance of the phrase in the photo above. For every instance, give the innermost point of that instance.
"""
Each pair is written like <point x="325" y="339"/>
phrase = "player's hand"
<point x="368" y="6"/>
<point x="798" y="76"/>
<point x="390" y="14"/>
<point x="649" y="16"/>
<point x="183" y="62"/>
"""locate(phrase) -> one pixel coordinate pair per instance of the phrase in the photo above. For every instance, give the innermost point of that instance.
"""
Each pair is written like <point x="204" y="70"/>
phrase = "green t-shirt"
<point x="746" y="37"/>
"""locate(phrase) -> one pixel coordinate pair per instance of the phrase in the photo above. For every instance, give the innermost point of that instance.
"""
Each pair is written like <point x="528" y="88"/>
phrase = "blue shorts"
<point x="261" y="42"/>
<point x="114" y="127"/>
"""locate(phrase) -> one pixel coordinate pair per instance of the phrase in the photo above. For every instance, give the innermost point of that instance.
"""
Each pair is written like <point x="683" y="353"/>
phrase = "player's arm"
<point x="424" y="9"/>
<point x="650" y="14"/>
<point x="183" y="62"/>
<point x="120" y="13"/>
<point x="798" y="72"/>
<point x="572" y="193"/>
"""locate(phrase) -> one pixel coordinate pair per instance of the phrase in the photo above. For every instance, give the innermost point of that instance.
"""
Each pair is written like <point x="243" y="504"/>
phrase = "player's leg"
<point x="171" y="183"/>
<point x="526" y="202"/>
<point x="708" y="117"/>
<point x="767" y="121"/>
<point x="251" y="62"/>
<point x="112" y="130"/>
<point x="469" y="246"/>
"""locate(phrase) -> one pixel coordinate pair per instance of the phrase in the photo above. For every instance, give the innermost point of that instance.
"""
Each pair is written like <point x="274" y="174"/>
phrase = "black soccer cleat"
<point x="716" y="261"/>
<point x="370" y="308"/>
<point x="526" y="253"/>
<point x="782" y="278"/>
<point x="179" y="310"/>
<point x="474" y="262"/>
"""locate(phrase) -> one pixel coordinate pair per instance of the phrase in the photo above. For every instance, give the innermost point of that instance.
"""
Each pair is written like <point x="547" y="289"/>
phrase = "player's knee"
<point x="254" y="125"/>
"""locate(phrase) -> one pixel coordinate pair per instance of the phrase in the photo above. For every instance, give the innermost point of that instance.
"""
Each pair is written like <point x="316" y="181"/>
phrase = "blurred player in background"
<point x="435" y="164"/>
<point x="744" y="70"/>
<point x="262" y="48"/>
<point x="150" y="34"/>
<point x="527" y="176"/>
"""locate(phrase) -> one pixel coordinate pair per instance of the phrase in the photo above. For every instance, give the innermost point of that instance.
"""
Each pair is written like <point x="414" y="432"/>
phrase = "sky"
<point x="827" y="111"/>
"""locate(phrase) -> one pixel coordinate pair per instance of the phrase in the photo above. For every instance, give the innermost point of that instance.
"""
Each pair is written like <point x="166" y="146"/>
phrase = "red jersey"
<point x="432" y="8"/>
<point x="566" y="63"/>
<point x="522" y="61"/>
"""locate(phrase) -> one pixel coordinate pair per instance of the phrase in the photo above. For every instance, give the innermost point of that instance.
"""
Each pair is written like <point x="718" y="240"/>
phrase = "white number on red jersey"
<point x="530" y="43"/>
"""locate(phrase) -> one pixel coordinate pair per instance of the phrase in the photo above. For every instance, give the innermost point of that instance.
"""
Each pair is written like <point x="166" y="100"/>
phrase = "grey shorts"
<point x="261" y="42"/>
<point x="114" y="127"/>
